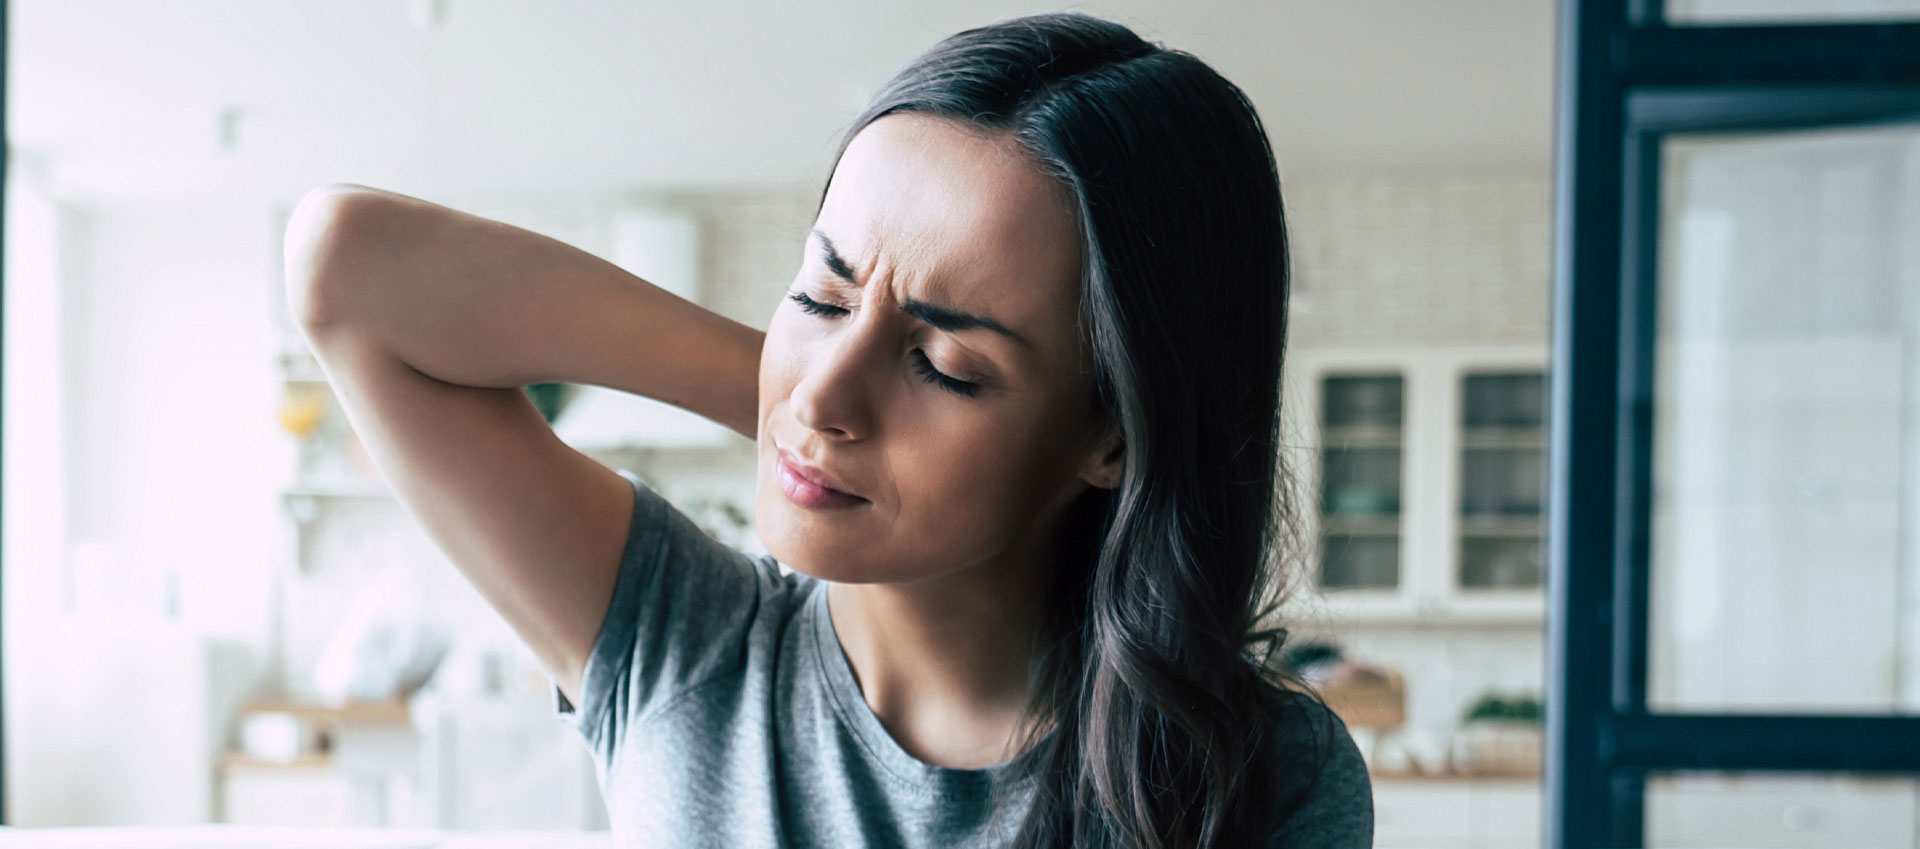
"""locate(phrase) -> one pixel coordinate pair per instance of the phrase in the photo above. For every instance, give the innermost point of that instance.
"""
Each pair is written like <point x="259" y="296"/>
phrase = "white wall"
<point x="35" y="479"/>
<point x="139" y="428"/>
<point x="171" y="407"/>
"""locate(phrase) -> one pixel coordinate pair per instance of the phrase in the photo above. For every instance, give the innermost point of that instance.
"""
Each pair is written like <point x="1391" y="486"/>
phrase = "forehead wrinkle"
<point x="934" y="308"/>
<point x="938" y="278"/>
<point x="894" y="213"/>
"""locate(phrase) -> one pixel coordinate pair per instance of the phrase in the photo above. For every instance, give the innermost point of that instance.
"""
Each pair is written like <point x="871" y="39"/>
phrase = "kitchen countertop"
<point x="1534" y="776"/>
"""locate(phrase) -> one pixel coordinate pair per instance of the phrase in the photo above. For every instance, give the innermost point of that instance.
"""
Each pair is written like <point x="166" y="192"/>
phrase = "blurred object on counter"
<point x="721" y="518"/>
<point x="270" y="731"/>
<point x="387" y="647"/>
<point x="1410" y="750"/>
<point x="302" y="409"/>
<point x="1313" y="661"/>
<point x="1366" y="696"/>
<point x="1361" y="695"/>
<point x="550" y="398"/>
<point x="273" y="736"/>
<point x="1372" y="701"/>
<point x="1499" y="735"/>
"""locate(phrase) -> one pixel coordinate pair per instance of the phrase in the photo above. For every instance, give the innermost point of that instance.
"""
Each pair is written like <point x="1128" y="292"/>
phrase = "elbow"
<point x="322" y="263"/>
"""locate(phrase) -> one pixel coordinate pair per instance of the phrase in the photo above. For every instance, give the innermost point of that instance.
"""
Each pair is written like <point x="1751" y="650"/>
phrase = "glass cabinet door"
<point x="1502" y="479"/>
<point x="1362" y="418"/>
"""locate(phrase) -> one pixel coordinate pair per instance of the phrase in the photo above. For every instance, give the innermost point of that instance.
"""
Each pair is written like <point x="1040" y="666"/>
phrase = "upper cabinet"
<point x="1420" y="477"/>
<point x="1502" y="478"/>
<point x="1362" y="445"/>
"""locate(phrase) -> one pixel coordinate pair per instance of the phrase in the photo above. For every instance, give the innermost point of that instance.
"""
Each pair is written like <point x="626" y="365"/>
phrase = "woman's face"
<point x="949" y="477"/>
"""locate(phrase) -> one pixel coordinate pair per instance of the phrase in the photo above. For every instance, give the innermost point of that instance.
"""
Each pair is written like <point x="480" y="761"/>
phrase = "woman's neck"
<point x="944" y="663"/>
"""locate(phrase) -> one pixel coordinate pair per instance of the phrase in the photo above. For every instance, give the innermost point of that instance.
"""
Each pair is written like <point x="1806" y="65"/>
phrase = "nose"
<point x="834" y="398"/>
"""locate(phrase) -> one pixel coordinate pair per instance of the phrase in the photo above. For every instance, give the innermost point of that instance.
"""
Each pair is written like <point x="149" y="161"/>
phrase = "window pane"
<point x="1502" y="479"/>
<point x="1718" y="12"/>
<point x="1362" y="481"/>
<point x="1364" y="401"/>
<point x="1361" y="429"/>
<point x="1491" y="561"/>
<point x="1510" y="400"/>
<point x="1786" y="424"/>
<point x="1354" y="562"/>
<point x="1700" y="810"/>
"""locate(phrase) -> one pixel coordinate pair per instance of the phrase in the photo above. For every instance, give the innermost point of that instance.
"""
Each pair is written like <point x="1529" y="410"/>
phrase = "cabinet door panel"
<point x="1425" y="814"/>
<point x="1506" y="815"/>
<point x="1805" y="812"/>
<point x="303" y="800"/>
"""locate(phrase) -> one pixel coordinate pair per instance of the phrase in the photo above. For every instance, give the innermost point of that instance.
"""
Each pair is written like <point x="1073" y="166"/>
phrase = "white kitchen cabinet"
<point x="1419" y="478"/>
<point x="1694" y="811"/>
<point x="1465" y="812"/>
<point x="1425" y="813"/>
<point x="471" y="763"/>
<point x="313" y="797"/>
<point x="114" y="718"/>
<point x="1506" y="814"/>
<point x="502" y="765"/>
<point x="1799" y="811"/>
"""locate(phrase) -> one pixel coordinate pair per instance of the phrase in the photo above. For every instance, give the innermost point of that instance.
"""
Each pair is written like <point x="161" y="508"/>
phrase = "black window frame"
<point x="1627" y="79"/>
<point x="6" y="162"/>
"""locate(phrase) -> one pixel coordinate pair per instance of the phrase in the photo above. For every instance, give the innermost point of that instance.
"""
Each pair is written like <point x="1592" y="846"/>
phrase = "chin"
<point x="807" y="559"/>
<point x="821" y="552"/>
<point x="813" y="549"/>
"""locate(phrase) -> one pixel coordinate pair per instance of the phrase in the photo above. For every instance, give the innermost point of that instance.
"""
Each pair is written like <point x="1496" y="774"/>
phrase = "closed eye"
<point x="920" y="362"/>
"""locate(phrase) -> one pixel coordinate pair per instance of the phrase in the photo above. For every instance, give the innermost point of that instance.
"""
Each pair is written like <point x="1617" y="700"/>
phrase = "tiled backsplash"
<point x="1456" y="256"/>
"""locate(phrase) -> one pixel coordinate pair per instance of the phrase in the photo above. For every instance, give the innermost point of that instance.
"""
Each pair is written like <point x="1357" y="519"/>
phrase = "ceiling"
<point x="242" y="100"/>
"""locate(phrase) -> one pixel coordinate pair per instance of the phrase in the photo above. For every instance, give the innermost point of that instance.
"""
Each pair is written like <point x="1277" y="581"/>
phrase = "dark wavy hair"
<point x="1157" y="674"/>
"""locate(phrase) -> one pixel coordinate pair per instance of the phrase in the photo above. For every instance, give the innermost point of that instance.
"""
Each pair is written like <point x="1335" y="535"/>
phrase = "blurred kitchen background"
<point x="216" y="613"/>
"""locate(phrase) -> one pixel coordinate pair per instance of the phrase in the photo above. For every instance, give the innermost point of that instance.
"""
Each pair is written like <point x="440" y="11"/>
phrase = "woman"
<point x="1017" y="430"/>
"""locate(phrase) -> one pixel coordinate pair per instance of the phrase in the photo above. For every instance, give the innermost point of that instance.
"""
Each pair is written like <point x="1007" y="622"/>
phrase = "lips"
<point x="818" y="476"/>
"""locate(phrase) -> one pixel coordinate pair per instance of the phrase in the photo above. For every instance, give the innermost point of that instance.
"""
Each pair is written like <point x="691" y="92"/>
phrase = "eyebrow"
<point x="942" y="318"/>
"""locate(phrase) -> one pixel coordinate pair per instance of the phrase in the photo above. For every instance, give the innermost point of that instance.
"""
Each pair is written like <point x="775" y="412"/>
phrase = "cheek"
<point x="971" y="479"/>
<point x="780" y="366"/>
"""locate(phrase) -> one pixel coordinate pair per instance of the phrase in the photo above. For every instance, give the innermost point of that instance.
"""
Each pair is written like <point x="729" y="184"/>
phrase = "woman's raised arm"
<point x="428" y="321"/>
<point x="476" y="302"/>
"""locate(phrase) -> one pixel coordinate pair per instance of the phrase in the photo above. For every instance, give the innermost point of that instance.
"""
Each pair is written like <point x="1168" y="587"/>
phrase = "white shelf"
<point x="1493" y="608"/>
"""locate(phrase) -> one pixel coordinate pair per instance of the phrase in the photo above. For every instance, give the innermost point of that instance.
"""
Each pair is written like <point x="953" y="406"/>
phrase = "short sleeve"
<point x="1335" y="810"/>
<point x="683" y="607"/>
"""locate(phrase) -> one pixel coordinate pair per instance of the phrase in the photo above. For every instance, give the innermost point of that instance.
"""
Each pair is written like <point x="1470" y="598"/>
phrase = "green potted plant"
<point x="1499" y="734"/>
<point x="550" y="398"/>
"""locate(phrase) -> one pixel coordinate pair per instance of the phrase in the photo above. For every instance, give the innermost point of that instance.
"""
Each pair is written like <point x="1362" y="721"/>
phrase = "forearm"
<point x="476" y="302"/>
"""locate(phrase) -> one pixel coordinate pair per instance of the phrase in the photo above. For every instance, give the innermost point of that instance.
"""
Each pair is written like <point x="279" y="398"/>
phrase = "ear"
<point x="1105" y="461"/>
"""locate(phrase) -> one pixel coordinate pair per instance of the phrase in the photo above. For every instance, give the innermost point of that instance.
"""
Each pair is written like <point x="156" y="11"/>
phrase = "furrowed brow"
<point x="939" y="317"/>
<point x="834" y="263"/>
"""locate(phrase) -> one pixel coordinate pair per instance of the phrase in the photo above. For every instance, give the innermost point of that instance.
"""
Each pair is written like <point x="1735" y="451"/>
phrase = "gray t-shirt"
<point x="721" y="711"/>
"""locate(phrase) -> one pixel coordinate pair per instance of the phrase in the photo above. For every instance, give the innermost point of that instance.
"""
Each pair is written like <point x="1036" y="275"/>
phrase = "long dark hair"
<point x="1157" y="672"/>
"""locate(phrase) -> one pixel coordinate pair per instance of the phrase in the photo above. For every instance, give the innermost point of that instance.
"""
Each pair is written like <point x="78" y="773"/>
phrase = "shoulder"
<point x="1325" y="796"/>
